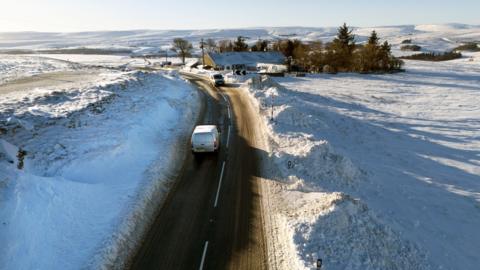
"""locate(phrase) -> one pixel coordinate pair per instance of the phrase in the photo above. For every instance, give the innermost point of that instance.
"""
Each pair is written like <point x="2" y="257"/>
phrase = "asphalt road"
<point x="212" y="217"/>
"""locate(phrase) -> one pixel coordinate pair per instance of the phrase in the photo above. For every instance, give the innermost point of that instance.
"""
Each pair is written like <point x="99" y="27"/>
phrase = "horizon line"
<point x="230" y="28"/>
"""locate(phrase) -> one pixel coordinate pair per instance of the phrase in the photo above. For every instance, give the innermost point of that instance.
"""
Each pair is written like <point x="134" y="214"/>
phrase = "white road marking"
<point x="228" y="135"/>
<point x="219" y="185"/>
<point x="229" y="114"/>
<point x="224" y="97"/>
<point x="203" y="255"/>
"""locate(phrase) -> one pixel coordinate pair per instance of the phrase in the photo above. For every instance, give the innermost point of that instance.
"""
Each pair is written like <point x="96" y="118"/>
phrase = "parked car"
<point x="205" y="138"/>
<point x="165" y="63"/>
<point x="217" y="79"/>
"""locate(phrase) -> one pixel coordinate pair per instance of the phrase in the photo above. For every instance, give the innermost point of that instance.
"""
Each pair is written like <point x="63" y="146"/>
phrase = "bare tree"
<point x="225" y="46"/>
<point x="210" y="45"/>
<point x="182" y="47"/>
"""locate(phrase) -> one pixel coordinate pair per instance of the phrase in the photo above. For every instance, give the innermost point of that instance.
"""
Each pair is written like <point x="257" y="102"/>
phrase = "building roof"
<point x="247" y="58"/>
<point x="204" y="128"/>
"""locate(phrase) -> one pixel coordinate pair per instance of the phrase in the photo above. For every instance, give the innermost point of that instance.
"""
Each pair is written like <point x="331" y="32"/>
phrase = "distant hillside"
<point x="430" y="37"/>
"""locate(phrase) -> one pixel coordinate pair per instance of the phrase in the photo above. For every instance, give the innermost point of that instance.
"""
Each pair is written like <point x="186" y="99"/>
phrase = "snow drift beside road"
<point x="320" y="223"/>
<point x="376" y="171"/>
<point x="95" y="173"/>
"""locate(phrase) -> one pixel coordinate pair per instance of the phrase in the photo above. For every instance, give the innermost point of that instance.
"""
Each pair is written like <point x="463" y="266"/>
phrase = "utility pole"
<point x="202" y="45"/>
<point x="271" y="117"/>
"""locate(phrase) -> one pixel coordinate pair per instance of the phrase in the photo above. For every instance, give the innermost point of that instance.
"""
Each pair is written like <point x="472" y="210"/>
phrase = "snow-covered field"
<point x="374" y="171"/>
<point x="14" y="67"/>
<point x="114" y="61"/>
<point x="99" y="158"/>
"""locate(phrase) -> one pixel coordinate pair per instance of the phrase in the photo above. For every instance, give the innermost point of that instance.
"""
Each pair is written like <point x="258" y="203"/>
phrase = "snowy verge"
<point x="94" y="174"/>
<point x="306" y="217"/>
<point x="158" y="178"/>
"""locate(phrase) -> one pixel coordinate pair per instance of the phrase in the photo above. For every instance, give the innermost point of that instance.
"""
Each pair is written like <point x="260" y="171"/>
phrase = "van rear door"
<point x="203" y="141"/>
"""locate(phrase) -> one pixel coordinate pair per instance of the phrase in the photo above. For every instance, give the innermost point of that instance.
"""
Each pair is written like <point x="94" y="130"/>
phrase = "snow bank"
<point x="320" y="221"/>
<point x="343" y="232"/>
<point x="298" y="150"/>
<point x="403" y="146"/>
<point x="96" y="173"/>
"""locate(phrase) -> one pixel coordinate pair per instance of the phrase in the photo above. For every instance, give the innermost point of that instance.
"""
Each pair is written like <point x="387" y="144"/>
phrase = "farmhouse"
<point x="271" y="62"/>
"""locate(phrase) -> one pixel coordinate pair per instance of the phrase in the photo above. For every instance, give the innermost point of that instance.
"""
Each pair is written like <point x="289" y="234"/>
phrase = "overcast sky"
<point x="86" y="15"/>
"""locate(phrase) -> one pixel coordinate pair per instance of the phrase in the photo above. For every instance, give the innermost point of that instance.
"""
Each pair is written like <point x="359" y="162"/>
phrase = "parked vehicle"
<point x="217" y="79"/>
<point x="165" y="63"/>
<point x="205" y="138"/>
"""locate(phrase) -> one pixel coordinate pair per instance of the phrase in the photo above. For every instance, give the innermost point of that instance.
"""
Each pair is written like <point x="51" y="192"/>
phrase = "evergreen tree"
<point x="291" y="49"/>
<point x="369" y="57"/>
<point x="342" y="49"/>
<point x="300" y="56"/>
<point x="260" y="46"/>
<point x="315" y="56"/>
<point x="287" y="46"/>
<point x="373" y="39"/>
<point x="386" y="47"/>
<point x="387" y="60"/>
<point x="239" y="45"/>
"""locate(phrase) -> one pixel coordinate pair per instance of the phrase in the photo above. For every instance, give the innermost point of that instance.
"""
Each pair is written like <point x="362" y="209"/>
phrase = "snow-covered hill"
<point x="431" y="37"/>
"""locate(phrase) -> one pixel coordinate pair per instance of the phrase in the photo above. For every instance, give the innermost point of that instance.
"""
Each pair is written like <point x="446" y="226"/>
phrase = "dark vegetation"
<point x="239" y="45"/>
<point x="435" y="56"/>
<point x="183" y="48"/>
<point x="414" y="48"/>
<point x="469" y="47"/>
<point x="407" y="41"/>
<point x="21" y="156"/>
<point x="431" y="56"/>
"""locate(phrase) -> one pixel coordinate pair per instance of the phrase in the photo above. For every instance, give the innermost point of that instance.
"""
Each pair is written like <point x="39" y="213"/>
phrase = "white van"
<point x="205" y="138"/>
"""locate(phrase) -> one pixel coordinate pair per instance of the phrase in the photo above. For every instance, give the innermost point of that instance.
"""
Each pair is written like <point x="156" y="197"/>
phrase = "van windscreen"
<point x="203" y="137"/>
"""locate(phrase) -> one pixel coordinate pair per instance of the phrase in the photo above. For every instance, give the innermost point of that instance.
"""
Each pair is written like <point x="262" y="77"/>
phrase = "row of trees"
<point x="342" y="54"/>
